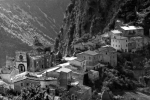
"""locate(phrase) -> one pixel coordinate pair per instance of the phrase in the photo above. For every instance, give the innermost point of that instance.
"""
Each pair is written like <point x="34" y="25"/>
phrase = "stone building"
<point x="91" y="57"/>
<point x="38" y="61"/>
<point x="108" y="55"/>
<point x="24" y="79"/>
<point x="21" y="61"/>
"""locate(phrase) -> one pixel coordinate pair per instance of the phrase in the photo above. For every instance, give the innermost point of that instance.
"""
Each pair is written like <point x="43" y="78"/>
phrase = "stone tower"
<point x="21" y="61"/>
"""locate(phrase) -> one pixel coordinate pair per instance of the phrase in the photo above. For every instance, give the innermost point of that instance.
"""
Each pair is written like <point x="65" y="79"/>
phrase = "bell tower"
<point x="21" y="61"/>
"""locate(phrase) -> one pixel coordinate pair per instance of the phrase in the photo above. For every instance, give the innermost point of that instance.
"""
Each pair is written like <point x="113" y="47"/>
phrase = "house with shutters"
<point x="107" y="54"/>
<point x="92" y="59"/>
<point x="127" y="38"/>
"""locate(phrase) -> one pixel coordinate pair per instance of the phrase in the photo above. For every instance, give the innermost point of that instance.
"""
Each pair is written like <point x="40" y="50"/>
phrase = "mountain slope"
<point x="98" y="16"/>
<point x="21" y="20"/>
<point x="86" y="16"/>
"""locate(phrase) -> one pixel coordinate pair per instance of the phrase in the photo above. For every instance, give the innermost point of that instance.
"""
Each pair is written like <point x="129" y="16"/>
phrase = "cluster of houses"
<point x="126" y="38"/>
<point x="39" y="67"/>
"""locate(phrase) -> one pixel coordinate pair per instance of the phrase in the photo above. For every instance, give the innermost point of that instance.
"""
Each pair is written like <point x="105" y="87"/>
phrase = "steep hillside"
<point x="98" y="16"/>
<point x="86" y="16"/>
<point x="21" y="20"/>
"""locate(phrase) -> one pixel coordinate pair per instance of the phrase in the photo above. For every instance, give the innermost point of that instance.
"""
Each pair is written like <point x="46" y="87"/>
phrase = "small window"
<point x="72" y="96"/>
<point x="21" y="84"/>
<point x="27" y="84"/>
<point x="126" y="41"/>
<point x="106" y="53"/>
<point x="126" y="45"/>
<point x="89" y="58"/>
<point x="116" y="45"/>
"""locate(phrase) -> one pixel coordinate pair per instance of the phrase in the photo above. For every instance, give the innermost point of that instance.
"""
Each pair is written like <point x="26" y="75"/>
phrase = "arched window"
<point x="21" y="68"/>
<point x="72" y="97"/>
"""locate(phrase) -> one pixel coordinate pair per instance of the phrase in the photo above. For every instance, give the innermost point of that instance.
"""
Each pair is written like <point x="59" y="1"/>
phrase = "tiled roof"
<point x="64" y="70"/>
<point x="116" y="31"/>
<point x="105" y="35"/>
<point x="103" y="48"/>
<point x="69" y="58"/>
<point x="89" y="52"/>
<point x="6" y="70"/>
<point x="119" y="37"/>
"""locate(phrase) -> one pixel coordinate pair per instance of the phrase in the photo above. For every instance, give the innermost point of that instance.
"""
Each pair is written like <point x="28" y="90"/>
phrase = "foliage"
<point x="56" y="45"/>
<point x="11" y="92"/>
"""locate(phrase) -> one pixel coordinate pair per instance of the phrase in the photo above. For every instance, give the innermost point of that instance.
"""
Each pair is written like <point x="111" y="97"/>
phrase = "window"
<point x="27" y="84"/>
<point x="72" y="97"/>
<point x="126" y="41"/>
<point x="126" y="45"/>
<point x="21" y="58"/>
<point x="116" y="45"/>
<point x="89" y="58"/>
<point x="21" y="84"/>
<point x="106" y="53"/>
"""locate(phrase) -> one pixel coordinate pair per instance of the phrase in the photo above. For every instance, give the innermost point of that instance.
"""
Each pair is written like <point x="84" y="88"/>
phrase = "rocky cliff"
<point x="21" y="20"/>
<point x="96" y="17"/>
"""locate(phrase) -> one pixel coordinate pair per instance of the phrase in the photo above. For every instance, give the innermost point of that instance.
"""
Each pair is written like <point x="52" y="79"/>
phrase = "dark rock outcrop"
<point x="98" y="16"/>
<point x="86" y="17"/>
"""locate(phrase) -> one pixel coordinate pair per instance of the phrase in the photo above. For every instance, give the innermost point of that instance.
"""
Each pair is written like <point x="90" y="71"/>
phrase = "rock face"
<point x="96" y="17"/>
<point x="86" y="17"/>
<point x="21" y="20"/>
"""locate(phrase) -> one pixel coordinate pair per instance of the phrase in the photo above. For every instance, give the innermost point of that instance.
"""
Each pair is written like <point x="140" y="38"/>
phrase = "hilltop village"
<point x="49" y="69"/>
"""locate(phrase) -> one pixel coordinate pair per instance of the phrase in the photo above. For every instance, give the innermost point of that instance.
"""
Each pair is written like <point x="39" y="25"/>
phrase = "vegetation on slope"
<point x="98" y="16"/>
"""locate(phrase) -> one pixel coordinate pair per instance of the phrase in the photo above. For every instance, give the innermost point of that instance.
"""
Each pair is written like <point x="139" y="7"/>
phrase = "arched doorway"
<point x="21" y="68"/>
